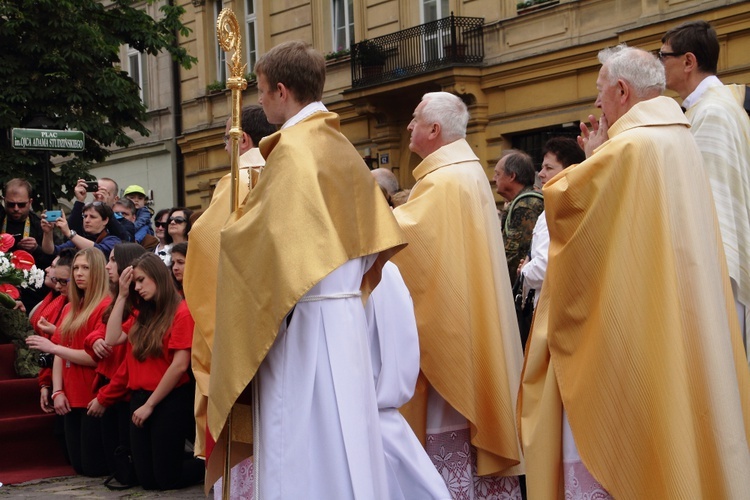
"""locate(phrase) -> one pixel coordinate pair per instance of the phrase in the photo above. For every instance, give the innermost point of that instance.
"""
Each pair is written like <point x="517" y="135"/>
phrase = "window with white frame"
<point x="251" y="37"/>
<point x="136" y="68"/>
<point x="432" y="10"/>
<point x="343" y="24"/>
<point x="221" y="56"/>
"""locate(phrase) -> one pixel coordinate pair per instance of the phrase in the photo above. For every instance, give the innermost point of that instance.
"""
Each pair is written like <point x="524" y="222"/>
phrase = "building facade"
<point x="527" y="70"/>
<point x="153" y="162"/>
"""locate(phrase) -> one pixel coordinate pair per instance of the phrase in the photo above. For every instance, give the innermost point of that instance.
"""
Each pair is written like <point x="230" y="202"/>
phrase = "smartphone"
<point x="92" y="186"/>
<point x="53" y="215"/>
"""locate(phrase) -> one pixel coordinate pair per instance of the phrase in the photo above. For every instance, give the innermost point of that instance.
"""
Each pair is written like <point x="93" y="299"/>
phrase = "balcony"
<point x="451" y="41"/>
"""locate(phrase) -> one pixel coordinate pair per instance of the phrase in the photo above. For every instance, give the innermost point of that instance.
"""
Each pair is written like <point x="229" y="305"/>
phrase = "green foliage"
<point x="215" y="86"/>
<point x="336" y="54"/>
<point x="369" y="53"/>
<point x="60" y="63"/>
<point x="529" y="3"/>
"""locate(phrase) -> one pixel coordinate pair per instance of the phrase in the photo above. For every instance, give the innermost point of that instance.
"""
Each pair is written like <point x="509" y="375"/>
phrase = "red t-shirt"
<point x="50" y="308"/>
<point x="109" y="365"/>
<point x="146" y="375"/>
<point x="78" y="380"/>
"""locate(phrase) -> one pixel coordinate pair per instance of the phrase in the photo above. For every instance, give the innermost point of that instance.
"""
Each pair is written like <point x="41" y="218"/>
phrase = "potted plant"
<point x="371" y="55"/>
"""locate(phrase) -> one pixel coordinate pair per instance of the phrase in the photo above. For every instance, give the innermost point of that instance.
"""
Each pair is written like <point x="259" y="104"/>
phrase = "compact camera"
<point x="46" y="359"/>
<point x="53" y="215"/>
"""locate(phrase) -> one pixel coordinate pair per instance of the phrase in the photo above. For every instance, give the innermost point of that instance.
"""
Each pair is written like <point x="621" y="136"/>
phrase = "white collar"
<point x="695" y="95"/>
<point x="313" y="107"/>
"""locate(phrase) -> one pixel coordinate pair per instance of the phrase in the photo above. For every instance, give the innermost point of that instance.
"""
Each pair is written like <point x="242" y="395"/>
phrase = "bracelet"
<point x="44" y="387"/>
<point x="55" y="394"/>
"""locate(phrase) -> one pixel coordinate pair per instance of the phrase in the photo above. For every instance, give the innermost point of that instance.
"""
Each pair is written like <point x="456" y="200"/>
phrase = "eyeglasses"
<point x="177" y="220"/>
<point x="14" y="204"/>
<point x="60" y="280"/>
<point x="662" y="55"/>
<point x="227" y="139"/>
<point x="161" y="224"/>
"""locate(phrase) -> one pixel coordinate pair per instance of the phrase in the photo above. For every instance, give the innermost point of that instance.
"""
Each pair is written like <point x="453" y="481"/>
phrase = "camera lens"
<point x="46" y="359"/>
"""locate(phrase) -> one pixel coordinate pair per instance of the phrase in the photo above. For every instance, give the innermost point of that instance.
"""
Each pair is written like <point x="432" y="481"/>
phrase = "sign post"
<point x="48" y="140"/>
<point x="36" y="139"/>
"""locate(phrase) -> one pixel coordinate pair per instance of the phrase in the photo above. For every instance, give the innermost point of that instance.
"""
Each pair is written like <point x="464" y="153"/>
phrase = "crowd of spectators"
<point x="109" y="331"/>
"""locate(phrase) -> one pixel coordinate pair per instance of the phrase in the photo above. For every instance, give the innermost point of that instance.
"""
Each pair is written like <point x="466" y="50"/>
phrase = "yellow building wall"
<point x="540" y="70"/>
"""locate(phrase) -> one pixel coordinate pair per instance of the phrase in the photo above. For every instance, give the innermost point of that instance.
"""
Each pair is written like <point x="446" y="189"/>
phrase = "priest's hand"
<point x="589" y="140"/>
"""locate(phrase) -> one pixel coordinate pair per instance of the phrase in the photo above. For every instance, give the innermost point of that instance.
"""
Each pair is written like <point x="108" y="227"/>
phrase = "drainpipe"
<point x="179" y="159"/>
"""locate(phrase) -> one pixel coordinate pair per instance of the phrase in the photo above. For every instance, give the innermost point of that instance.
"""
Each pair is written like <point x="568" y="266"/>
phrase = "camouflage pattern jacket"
<point x="518" y="226"/>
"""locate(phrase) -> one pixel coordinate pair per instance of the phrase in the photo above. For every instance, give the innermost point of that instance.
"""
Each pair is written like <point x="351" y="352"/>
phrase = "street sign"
<point x="49" y="140"/>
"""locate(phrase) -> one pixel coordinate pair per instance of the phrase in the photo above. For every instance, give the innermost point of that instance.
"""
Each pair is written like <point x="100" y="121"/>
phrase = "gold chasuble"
<point x="199" y="283"/>
<point x="455" y="269"/>
<point x="636" y="332"/>
<point x="314" y="208"/>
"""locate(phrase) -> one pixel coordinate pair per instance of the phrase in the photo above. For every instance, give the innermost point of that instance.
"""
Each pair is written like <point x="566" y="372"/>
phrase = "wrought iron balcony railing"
<point x="446" y="42"/>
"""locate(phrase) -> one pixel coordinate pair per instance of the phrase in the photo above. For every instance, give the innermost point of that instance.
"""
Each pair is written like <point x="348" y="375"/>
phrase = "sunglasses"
<point x="161" y="224"/>
<point x="663" y="55"/>
<point x="177" y="220"/>
<point x="14" y="204"/>
<point x="60" y="280"/>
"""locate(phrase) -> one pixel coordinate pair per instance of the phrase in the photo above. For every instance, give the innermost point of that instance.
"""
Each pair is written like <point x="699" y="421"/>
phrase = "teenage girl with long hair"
<point x="156" y="372"/>
<point x="73" y="371"/>
<point x="47" y="316"/>
<point x="111" y="354"/>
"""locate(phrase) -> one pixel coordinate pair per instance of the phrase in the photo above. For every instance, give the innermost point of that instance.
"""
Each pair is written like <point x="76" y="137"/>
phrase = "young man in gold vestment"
<point x="295" y="260"/>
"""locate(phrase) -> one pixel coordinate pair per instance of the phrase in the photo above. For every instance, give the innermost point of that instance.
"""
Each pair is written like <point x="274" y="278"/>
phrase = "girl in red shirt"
<point x="73" y="369"/>
<point x="156" y="372"/>
<point x="115" y="423"/>
<point x="47" y="316"/>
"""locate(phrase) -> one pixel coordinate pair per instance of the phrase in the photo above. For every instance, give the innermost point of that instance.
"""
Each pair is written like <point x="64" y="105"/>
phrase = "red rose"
<point x="22" y="260"/>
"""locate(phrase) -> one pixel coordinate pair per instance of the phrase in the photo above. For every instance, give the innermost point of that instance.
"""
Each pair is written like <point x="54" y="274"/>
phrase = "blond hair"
<point x="83" y="302"/>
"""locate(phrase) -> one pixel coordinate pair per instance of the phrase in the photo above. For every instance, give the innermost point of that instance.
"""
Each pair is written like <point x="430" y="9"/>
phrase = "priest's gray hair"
<point x="641" y="69"/>
<point x="449" y="111"/>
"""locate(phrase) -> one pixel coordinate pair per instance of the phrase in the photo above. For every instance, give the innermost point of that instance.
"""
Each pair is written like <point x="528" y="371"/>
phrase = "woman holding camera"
<point x="96" y="217"/>
<point x="156" y="372"/>
<point x="73" y="370"/>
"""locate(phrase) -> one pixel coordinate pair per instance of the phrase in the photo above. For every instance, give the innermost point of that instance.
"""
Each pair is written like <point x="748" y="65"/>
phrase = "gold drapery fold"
<point x="456" y="272"/>
<point x="636" y="333"/>
<point x="314" y="208"/>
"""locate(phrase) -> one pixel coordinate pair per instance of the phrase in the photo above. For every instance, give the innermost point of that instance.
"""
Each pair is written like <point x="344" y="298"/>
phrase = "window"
<point x="343" y="24"/>
<point x="221" y="56"/>
<point x="432" y="10"/>
<point x="137" y="70"/>
<point x="251" y="41"/>
<point x="533" y="142"/>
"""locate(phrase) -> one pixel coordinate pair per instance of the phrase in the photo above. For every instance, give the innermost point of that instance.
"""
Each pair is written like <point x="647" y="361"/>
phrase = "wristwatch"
<point x="72" y="234"/>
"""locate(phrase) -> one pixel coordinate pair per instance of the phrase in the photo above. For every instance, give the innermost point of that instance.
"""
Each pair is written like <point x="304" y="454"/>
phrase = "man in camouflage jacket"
<point x="514" y="180"/>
